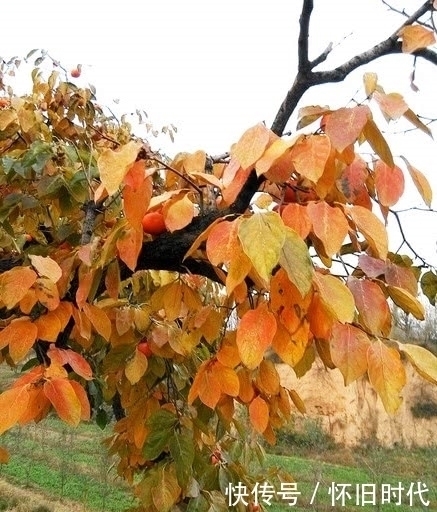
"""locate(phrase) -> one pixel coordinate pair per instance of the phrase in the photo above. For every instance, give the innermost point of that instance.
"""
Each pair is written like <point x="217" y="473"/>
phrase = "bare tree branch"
<point x="302" y="44"/>
<point x="306" y="78"/>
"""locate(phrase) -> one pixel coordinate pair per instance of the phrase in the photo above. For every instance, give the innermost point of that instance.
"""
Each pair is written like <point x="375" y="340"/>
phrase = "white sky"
<point x="214" y="68"/>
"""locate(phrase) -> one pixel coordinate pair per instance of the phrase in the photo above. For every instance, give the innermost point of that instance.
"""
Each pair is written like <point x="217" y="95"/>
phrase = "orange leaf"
<point x="268" y="378"/>
<point x="386" y="374"/>
<point x="251" y="145"/>
<point x="136" y="200"/>
<point x="4" y="455"/>
<point x="229" y="383"/>
<point x="259" y="414"/>
<point x="247" y="390"/>
<point x="415" y="37"/>
<point x="295" y="216"/>
<point x="83" y="399"/>
<point x="99" y="320"/>
<point x="392" y="105"/>
<point x="64" y="399"/>
<point x="348" y="346"/>
<point x="211" y="391"/>
<point x="78" y="363"/>
<point x="20" y="334"/>
<point x="329" y="225"/>
<point x="372" y="229"/>
<point x="375" y="314"/>
<point x="14" y="285"/>
<point x="49" y="326"/>
<point x="38" y="406"/>
<point x="46" y="267"/>
<point x="129" y="245"/>
<point x="310" y="155"/>
<point x="219" y="243"/>
<point x="276" y="156"/>
<point x="255" y="334"/>
<point x="344" y="126"/>
<point x="13" y="405"/>
<point x="389" y="183"/>
<point x="238" y="179"/>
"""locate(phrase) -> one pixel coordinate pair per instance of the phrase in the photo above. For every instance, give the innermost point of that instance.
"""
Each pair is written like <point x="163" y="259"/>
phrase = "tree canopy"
<point x="167" y="288"/>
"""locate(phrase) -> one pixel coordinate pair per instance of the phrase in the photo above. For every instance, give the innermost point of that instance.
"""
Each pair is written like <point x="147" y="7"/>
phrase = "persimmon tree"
<point x="278" y="247"/>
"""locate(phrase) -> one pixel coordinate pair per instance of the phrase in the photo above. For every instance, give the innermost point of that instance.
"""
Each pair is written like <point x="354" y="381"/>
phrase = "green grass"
<point x="65" y="462"/>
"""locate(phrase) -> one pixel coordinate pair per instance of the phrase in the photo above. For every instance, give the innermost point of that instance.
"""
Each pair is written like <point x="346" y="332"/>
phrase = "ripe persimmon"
<point x="144" y="348"/>
<point x="75" y="72"/>
<point x="153" y="223"/>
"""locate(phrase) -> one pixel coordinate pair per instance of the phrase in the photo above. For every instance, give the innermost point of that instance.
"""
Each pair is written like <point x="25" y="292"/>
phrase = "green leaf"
<point x="161" y="425"/>
<point x="429" y="286"/>
<point x="262" y="237"/>
<point x="182" y="450"/>
<point x="296" y="261"/>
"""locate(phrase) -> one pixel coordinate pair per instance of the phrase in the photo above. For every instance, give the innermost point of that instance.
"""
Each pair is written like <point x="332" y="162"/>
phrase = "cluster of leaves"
<point x="277" y="249"/>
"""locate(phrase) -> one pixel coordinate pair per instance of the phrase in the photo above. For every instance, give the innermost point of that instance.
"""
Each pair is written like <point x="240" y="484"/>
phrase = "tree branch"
<point x="302" y="45"/>
<point x="306" y="78"/>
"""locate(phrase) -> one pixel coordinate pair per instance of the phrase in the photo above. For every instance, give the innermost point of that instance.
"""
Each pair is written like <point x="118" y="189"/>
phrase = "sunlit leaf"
<point x="423" y="360"/>
<point x="13" y="405"/>
<point x="63" y="397"/>
<point x="389" y="183"/>
<point x="344" y="126"/>
<point x="370" y="82"/>
<point x="296" y="261"/>
<point x="329" y="225"/>
<point x="407" y="302"/>
<point x="262" y="236"/>
<point x="14" y="285"/>
<point x="415" y="37"/>
<point x="254" y="335"/>
<point x="386" y="374"/>
<point x="372" y="229"/>
<point x="251" y="145"/>
<point x="114" y="164"/>
<point x="259" y="414"/>
<point x="349" y="346"/>
<point x="136" y="367"/>
<point x="337" y="298"/>
<point x="310" y="155"/>
<point x="20" y="334"/>
<point x="421" y="183"/>
<point x="99" y="320"/>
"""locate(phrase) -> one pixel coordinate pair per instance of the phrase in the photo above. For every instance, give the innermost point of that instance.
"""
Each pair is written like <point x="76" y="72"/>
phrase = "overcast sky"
<point x="214" y="68"/>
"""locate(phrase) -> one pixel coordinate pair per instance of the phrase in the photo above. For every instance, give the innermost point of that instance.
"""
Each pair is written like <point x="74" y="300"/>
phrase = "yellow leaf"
<point x="274" y="152"/>
<point x="370" y="82"/>
<point x="296" y="261"/>
<point x="178" y="213"/>
<point x="166" y="492"/>
<point x="268" y="380"/>
<point x="262" y="236"/>
<point x="255" y="334"/>
<point x="99" y="320"/>
<point x="421" y="183"/>
<point x="423" y="360"/>
<point x="13" y="405"/>
<point x="6" y="118"/>
<point x="46" y="267"/>
<point x="114" y="165"/>
<point x="407" y="302"/>
<point x="14" y="284"/>
<point x="251" y="145"/>
<point x="415" y="37"/>
<point x="336" y="297"/>
<point x="377" y="142"/>
<point x="387" y="374"/>
<point x="136" y="367"/>
<point x="259" y="414"/>
<point x="372" y="229"/>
